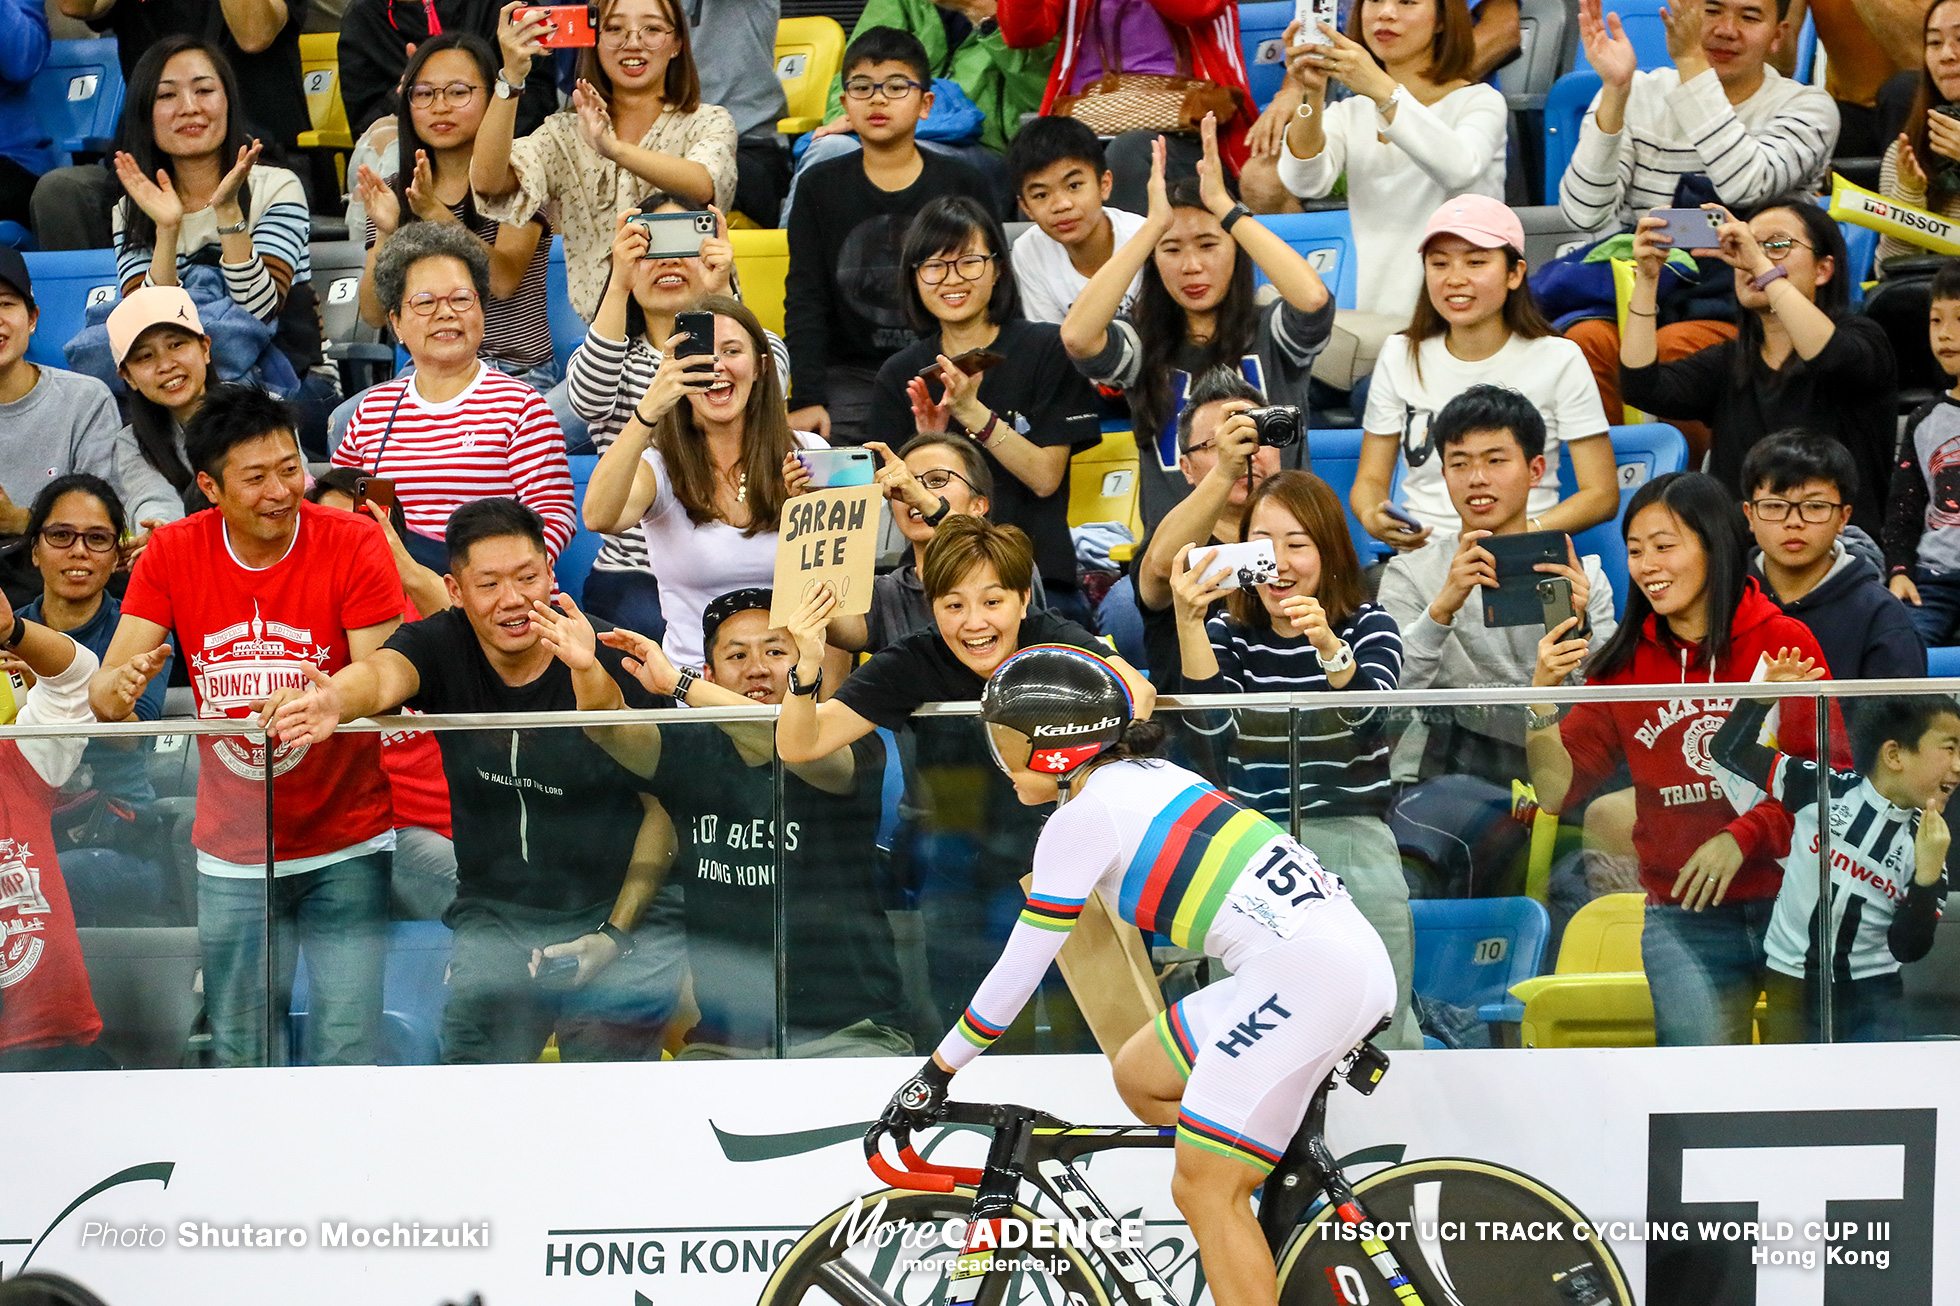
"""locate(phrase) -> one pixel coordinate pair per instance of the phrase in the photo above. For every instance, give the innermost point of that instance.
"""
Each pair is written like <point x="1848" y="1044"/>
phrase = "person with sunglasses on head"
<point x="456" y="429"/>
<point x="1800" y="358"/>
<point x="636" y="122"/>
<point x="1477" y="324"/>
<point x="1028" y="411"/>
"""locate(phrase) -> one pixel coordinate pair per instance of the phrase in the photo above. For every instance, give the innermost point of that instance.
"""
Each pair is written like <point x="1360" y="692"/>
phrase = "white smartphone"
<point x="1310" y="14"/>
<point x="1248" y="564"/>
<point x="831" y="468"/>
<point x="675" y="235"/>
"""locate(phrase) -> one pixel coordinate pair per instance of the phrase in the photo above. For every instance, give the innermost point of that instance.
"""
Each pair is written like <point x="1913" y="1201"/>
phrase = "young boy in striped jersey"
<point x="1888" y="856"/>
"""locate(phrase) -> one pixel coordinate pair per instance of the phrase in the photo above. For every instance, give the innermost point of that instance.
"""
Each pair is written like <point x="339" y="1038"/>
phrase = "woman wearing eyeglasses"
<point x="1800" y="358"/>
<point x="1027" y="413"/>
<point x="636" y="124"/>
<point x="1477" y="324"/>
<point x="456" y="429"/>
<point x="74" y="533"/>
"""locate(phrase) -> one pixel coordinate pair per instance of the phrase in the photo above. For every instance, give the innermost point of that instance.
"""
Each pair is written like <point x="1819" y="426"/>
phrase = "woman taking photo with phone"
<point x="1308" y="628"/>
<point x="1693" y="616"/>
<point x="1477" y="324"/>
<point x="1800" y="357"/>
<point x="611" y="370"/>
<point x="1922" y="167"/>
<point x="1001" y="381"/>
<point x="636" y="124"/>
<point x="702" y="467"/>
<point x="1197" y="310"/>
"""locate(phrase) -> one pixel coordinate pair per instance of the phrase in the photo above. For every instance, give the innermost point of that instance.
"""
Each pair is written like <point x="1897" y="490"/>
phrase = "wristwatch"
<point x="1536" y="720"/>
<point x="14" y="636"/>
<point x="1340" y="662"/>
<point x="938" y="514"/>
<point x="686" y="682"/>
<point x="621" y="939"/>
<point x="802" y="690"/>
<point x="1232" y="216"/>
<point x="503" y="90"/>
<point x="1761" y="280"/>
<point x="237" y="228"/>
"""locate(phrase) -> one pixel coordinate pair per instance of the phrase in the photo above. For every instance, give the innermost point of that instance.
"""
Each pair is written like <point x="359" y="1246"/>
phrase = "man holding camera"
<point x="1223" y="459"/>
<point x="1492" y="444"/>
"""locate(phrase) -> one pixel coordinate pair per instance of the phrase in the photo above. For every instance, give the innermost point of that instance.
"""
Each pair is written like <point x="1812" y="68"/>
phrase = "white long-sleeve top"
<point x="1776" y="141"/>
<point x="1398" y="174"/>
<point x="58" y="701"/>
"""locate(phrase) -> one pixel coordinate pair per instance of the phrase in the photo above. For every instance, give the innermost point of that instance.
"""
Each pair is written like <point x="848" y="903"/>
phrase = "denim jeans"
<point x="425" y="874"/>
<point x="1705" y="970"/>
<point x="1938" y="612"/>
<point x="628" y="599"/>
<point x="339" y="915"/>
<point x="1870" y="1010"/>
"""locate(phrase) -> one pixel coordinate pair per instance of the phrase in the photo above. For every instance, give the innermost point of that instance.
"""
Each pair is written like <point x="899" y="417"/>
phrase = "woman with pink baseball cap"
<point x="1476" y="323"/>
<point x="162" y="353"/>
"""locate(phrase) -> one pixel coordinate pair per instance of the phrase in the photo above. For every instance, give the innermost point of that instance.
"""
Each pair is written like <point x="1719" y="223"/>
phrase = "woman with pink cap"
<point x="1477" y="324"/>
<point x="163" y="354"/>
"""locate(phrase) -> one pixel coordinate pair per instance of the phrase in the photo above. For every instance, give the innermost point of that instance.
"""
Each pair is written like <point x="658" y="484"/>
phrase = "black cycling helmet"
<point x="1050" y="708"/>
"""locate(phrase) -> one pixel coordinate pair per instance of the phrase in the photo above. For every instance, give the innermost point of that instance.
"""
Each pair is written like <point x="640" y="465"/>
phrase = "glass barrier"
<point x="636" y="886"/>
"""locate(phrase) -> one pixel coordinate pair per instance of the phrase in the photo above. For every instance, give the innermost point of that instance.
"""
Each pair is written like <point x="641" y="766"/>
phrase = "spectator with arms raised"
<point x="266" y="583"/>
<point x="457" y="429"/>
<point x="559" y="851"/>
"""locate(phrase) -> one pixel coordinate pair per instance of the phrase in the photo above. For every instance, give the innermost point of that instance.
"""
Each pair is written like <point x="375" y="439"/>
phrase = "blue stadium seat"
<point x="1642" y="453"/>
<point x="1326" y="239"/>
<point x="567" y="327"/>
<point x="1262" y="28"/>
<point x="1861" y="243"/>
<point x="1642" y="20"/>
<point x="1943" y="662"/>
<point x="15" y="236"/>
<point x="1336" y="456"/>
<point x="575" y="563"/>
<point x="412" y="995"/>
<point x="78" y="95"/>
<point x="1565" y="109"/>
<point x="1806" y="47"/>
<point x="1470" y="951"/>
<point x="66" y="282"/>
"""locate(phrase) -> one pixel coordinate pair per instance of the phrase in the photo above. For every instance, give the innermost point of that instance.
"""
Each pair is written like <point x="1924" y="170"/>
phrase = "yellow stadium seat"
<point x="762" y="269"/>
<point x="1597" y="994"/>
<point x="1603" y="935"/>
<point x="1103" y="483"/>
<point x="809" y="55"/>
<point x="319" y="62"/>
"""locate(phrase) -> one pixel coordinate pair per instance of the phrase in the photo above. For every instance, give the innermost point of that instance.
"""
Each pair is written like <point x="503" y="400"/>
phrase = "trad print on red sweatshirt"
<point x="1679" y="798"/>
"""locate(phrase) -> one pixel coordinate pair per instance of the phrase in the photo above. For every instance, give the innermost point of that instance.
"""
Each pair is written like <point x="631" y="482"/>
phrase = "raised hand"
<point x="567" y="634"/>
<point x="808" y="625"/>
<point x="1211" y="171"/>
<point x="1559" y="654"/>
<point x="132" y="548"/>
<point x="1472" y="567"/>
<point x="1607" y="47"/>
<point x="1790" y="666"/>
<point x="312" y="716"/>
<point x="1650" y="247"/>
<point x="521" y="42"/>
<point x="1930" y="844"/>
<point x="1911" y="175"/>
<point x="1943" y="136"/>
<point x="1195" y="583"/>
<point x="378" y="198"/>
<point x="131" y="679"/>
<point x="235" y="177"/>
<point x="1682" y="19"/>
<point x="1157" y="216"/>
<point x="1736" y="244"/>
<point x="1574" y="572"/>
<point x="629" y="245"/>
<point x="796" y="476"/>
<point x="717" y="257"/>
<point x="645" y="660"/>
<point x="674" y="379"/>
<point x="422" y="197"/>
<point x="1308" y="76"/>
<point x="158" y="199"/>
<point x="896" y="479"/>
<point x="1347" y="60"/>
<point x="1310" y="619"/>
<point x="962" y="395"/>
<point x="926" y="414"/>
<point x="594" y="123"/>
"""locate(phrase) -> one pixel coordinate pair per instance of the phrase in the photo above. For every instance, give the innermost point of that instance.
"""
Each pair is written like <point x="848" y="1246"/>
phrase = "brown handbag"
<point x="1120" y="102"/>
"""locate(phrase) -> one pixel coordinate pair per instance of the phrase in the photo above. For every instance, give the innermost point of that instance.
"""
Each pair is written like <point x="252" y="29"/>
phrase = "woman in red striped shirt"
<point x="456" y="430"/>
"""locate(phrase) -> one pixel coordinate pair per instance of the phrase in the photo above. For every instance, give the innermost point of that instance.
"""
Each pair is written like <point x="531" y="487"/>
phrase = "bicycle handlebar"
<point x="917" y="1173"/>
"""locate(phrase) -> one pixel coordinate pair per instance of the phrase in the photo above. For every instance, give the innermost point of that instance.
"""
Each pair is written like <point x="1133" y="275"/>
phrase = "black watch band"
<point x="19" y="631"/>
<point x="621" y="939"/>
<point x="805" y="691"/>
<point x="1232" y="217"/>
<point x="940" y="513"/>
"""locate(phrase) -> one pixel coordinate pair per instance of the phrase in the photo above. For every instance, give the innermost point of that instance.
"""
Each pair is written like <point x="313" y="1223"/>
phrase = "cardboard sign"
<point x="827" y="535"/>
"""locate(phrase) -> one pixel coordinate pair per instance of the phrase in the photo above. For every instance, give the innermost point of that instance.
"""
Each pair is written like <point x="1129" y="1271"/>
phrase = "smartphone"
<point x="1394" y="513"/>
<point x="557" y="972"/>
<point x="571" y="25"/>
<point x="1689" y="229"/>
<point x="1250" y="563"/>
<point x="831" y="468"/>
<point x="1555" y="597"/>
<point x="700" y="330"/>
<point x="374" y="489"/>
<point x="973" y="362"/>
<point x="1515" y="601"/>
<point x="1310" y="14"/>
<point x="675" y="235"/>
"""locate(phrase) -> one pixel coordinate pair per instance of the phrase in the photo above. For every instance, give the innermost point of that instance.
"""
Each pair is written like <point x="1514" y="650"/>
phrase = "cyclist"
<point x="1234" y="1065"/>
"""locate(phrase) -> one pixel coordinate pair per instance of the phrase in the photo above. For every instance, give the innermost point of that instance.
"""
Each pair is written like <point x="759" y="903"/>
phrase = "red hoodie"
<point x="1665" y="742"/>
<point x="1209" y="28"/>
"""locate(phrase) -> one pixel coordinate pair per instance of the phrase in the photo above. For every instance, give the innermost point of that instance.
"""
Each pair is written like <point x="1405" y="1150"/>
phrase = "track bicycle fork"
<point x="973" y="1280"/>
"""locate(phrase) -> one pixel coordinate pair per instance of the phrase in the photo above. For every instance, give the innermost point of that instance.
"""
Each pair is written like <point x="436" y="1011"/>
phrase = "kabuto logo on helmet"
<point x="1046" y="731"/>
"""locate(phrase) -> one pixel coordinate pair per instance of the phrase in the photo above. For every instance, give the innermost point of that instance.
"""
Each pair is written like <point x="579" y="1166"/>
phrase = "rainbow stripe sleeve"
<point x="1047" y="912"/>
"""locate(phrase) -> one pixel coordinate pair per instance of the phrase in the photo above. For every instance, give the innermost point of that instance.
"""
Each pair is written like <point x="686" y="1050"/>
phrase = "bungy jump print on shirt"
<point x="239" y="667"/>
<point x="24" y="913"/>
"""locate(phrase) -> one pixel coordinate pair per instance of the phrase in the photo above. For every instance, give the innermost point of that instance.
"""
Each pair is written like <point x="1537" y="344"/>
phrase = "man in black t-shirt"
<point x="560" y="852"/>
<point x="842" y="984"/>
<point x="259" y="38"/>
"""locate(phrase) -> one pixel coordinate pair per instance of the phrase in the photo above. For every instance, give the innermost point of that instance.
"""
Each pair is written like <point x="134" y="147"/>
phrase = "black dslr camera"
<point x="1279" y="425"/>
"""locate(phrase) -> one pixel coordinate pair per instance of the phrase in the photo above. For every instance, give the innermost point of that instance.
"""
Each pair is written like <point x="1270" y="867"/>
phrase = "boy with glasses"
<point x="842" y="311"/>
<point x="1797" y="493"/>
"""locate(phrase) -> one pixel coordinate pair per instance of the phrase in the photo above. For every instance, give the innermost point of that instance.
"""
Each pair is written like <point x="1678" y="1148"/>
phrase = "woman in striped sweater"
<point x="611" y="370"/>
<point x="1307" y="630"/>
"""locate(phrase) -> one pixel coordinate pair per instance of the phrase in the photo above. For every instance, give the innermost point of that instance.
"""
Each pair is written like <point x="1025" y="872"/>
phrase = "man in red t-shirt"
<point x="48" y="1019"/>
<point x="259" y="592"/>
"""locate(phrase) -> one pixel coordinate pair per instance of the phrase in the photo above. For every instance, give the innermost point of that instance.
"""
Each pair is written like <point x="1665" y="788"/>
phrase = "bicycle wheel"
<point x="910" y="1266"/>
<point x="1438" y="1206"/>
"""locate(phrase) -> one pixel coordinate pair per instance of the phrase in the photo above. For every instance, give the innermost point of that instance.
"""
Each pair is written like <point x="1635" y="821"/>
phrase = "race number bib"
<point x="1280" y="885"/>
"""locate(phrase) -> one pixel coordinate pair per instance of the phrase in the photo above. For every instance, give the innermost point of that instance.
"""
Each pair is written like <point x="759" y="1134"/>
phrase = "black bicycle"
<point x="1446" y="1231"/>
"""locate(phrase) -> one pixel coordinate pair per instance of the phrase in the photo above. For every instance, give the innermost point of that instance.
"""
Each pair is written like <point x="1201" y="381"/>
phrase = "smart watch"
<point x="802" y="690"/>
<point x="621" y="939"/>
